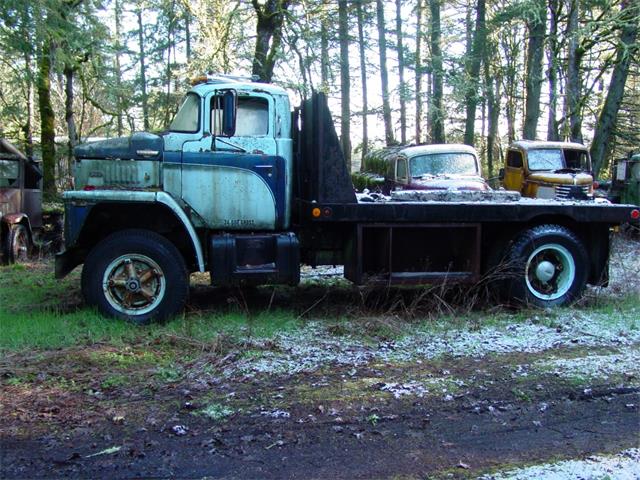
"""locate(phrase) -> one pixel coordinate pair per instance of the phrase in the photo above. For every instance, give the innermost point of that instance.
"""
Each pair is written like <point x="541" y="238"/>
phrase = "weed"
<point x="522" y="395"/>
<point x="373" y="419"/>
<point x="216" y="411"/>
<point x="168" y="374"/>
<point x="114" y="381"/>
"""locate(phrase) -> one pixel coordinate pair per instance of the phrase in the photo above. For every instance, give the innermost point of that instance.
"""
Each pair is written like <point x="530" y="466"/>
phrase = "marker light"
<point x="315" y="212"/>
<point x="635" y="214"/>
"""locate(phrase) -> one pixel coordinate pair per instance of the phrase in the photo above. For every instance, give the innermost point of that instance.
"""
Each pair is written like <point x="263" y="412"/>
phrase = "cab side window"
<point x="9" y="173"/>
<point x="401" y="169"/>
<point x="252" y="119"/>
<point x="514" y="159"/>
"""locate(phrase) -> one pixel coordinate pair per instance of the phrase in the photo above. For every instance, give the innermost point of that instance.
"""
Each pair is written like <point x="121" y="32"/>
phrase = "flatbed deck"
<point x="521" y="211"/>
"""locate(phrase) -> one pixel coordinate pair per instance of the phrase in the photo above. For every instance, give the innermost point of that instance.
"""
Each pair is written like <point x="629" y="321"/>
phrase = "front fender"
<point x="78" y="205"/>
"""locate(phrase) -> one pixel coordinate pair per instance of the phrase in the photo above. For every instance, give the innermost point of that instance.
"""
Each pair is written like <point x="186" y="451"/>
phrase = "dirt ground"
<point x="336" y="398"/>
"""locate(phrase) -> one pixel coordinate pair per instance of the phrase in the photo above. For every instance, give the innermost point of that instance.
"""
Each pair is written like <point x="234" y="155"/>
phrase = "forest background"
<point x="482" y="72"/>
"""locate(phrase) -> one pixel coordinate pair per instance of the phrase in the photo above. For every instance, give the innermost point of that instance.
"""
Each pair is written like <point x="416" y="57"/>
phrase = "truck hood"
<point x="561" y="178"/>
<point x="139" y="146"/>
<point x="448" y="182"/>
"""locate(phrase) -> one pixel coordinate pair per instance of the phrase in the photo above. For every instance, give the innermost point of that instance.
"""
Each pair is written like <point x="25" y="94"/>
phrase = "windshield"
<point x="577" y="160"/>
<point x="186" y="120"/>
<point x="545" y="159"/>
<point x="443" y="163"/>
<point x="9" y="173"/>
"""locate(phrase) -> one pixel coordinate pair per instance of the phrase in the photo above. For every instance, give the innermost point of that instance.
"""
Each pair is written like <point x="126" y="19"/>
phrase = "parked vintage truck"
<point x="242" y="188"/>
<point x="552" y="170"/>
<point x="426" y="167"/>
<point x="20" y="203"/>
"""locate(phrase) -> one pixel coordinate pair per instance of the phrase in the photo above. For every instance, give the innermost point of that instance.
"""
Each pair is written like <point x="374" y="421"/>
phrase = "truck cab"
<point x="20" y="203"/>
<point x="427" y="167"/>
<point x="549" y="170"/>
<point x="202" y="163"/>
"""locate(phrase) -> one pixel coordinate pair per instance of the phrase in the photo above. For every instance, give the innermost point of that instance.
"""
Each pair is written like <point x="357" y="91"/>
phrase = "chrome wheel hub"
<point x="134" y="284"/>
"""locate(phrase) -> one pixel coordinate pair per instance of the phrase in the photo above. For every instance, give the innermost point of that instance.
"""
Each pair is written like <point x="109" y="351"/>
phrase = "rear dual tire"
<point x="547" y="267"/>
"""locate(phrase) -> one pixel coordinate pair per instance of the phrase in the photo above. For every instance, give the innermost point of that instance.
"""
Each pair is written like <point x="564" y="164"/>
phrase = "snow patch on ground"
<point x="593" y="366"/>
<point x="623" y="466"/>
<point x="313" y="346"/>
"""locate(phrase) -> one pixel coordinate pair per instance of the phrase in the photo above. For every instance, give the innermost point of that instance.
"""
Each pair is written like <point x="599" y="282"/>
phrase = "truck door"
<point x="238" y="182"/>
<point x="514" y="171"/>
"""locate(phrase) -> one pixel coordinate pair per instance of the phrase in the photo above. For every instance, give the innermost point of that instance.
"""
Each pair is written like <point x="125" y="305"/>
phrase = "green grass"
<point x="39" y="312"/>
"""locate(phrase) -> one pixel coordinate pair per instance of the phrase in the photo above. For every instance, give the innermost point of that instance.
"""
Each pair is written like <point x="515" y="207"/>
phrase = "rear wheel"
<point x="17" y="244"/>
<point x="136" y="275"/>
<point x="548" y="267"/>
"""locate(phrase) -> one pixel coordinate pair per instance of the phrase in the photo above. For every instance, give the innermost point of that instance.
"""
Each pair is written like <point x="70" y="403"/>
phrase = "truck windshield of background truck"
<point x="558" y="159"/>
<point x="9" y="173"/>
<point x="187" y="118"/>
<point x="443" y="163"/>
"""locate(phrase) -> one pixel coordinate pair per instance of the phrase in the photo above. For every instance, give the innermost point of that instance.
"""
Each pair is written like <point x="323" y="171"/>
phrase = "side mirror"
<point x="501" y="174"/>
<point x="230" y="109"/>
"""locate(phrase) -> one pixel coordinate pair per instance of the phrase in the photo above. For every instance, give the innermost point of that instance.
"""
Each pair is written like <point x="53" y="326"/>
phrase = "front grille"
<point x="566" y="192"/>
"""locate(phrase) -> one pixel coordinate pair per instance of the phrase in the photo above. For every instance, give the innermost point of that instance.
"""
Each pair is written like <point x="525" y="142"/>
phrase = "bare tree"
<point x="270" y="17"/>
<point x="384" y="75"/>
<point x="436" y="109"/>
<point x="345" y="82"/>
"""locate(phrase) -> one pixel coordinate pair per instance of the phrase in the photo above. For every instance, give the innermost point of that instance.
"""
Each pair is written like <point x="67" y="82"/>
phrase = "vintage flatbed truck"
<point x="244" y="189"/>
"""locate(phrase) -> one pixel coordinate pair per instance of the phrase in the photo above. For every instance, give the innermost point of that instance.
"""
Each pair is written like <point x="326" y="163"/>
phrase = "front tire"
<point x="136" y="275"/>
<point x="548" y="267"/>
<point x="17" y="244"/>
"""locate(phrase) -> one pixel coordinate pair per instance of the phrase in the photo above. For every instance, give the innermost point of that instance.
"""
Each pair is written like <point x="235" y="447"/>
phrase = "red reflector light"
<point x="596" y="185"/>
<point x="88" y="188"/>
<point x="635" y="214"/>
<point x="326" y="212"/>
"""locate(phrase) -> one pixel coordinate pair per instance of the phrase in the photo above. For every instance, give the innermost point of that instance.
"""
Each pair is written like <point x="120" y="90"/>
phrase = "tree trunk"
<point x="402" y="90"/>
<point x="492" y="86"/>
<point x="118" y="65"/>
<point x="143" y="72"/>
<point x="419" y="71"/>
<point x="534" y="78"/>
<point x="68" y="112"/>
<point x="384" y="75"/>
<point x="270" y="18"/>
<point x="324" y="56"/>
<point x="187" y="31"/>
<point x="552" y="74"/>
<point x="574" y="80"/>
<point x="170" y="41"/>
<point x="363" y="80"/>
<point x="345" y="82"/>
<point x="436" y="110"/>
<point x="47" y="119"/>
<point x="473" y="73"/>
<point x="626" y="49"/>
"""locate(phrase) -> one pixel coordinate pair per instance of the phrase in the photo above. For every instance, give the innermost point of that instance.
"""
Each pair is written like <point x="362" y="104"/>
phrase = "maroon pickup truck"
<point x="427" y="167"/>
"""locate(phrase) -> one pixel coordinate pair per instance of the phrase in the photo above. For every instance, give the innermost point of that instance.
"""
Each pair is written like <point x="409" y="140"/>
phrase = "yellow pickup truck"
<point x="553" y="170"/>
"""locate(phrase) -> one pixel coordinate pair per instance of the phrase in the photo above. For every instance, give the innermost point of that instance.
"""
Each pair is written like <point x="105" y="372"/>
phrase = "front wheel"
<point x="136" y="275"/>
<point x="548" y="266"/>
<point x="17" y="244"/>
